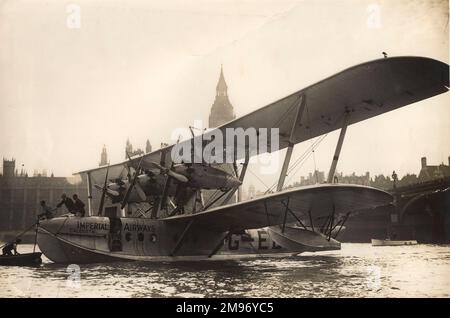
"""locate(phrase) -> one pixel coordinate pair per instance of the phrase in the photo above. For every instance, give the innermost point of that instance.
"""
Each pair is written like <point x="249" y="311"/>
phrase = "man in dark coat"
<point x="10" y="247"/>
<point x="67" y="202"/>
<point x="79" y="206"/>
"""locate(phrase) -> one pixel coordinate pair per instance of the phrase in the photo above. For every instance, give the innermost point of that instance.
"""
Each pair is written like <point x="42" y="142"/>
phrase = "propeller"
<point x="111" y="192"/>
<point x="177" y="176"/>
<point x="163" y="201"/>
<point x="104" y="190"/>
<point x="133" y="185"/>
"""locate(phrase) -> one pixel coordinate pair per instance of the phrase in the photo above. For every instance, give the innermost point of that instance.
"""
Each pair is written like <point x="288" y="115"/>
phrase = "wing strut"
<point x="337" y="152"/>
<point x="300" y="108"/>
<point x="241" y="178"/>
<point x="89" y="190"/>
<point x="342" y="222"/>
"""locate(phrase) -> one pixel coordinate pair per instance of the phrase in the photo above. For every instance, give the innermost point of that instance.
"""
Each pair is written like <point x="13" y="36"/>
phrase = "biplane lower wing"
<point x="315" y="202"/>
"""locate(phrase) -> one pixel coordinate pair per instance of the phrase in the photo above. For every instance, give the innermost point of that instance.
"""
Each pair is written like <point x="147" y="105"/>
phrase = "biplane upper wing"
<point x="120" y="170"/>
<point x="319" y="201"/>
<point x="365" y="90"/>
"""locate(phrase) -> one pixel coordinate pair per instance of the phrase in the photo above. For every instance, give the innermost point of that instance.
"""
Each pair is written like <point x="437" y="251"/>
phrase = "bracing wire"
<point x="306" y="154"/>
<point x="259" y="179"/>
<point x="300" y="160"/>
<point x="313" y="154"/>
<point x="300" y="164"/>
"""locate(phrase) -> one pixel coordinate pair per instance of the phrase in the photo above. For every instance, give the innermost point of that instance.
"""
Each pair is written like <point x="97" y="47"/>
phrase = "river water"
<point x="358" y="270"/>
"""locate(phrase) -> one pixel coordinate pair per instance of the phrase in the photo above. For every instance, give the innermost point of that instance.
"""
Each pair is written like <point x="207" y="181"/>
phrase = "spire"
<point x="221" y="88"/>
<point x="128" y="148"/>
<point x="148" y="146"/>
<point x="221" y="110"/>
<point x="103" y="157"/>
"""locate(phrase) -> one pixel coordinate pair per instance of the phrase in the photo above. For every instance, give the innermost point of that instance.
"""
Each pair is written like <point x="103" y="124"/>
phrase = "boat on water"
<point x="389" y="242"/>
<point x="26" y="259"/>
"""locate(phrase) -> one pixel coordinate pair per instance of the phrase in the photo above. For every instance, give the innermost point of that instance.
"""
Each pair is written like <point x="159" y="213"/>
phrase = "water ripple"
<point x="358" y="270"/>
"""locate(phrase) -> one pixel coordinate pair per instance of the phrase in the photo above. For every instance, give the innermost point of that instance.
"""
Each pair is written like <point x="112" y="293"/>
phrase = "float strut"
<point x="310" y="220"/>
<point x="343" y="222"/>
<point x="285" y="216"/>
<point x="180" y="240"/>
<point x="295" y="216"/>
<point x="217" y="248"/>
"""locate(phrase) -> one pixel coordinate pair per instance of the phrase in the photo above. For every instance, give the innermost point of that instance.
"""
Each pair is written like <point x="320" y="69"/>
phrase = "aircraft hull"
<point x="100" y="239"/>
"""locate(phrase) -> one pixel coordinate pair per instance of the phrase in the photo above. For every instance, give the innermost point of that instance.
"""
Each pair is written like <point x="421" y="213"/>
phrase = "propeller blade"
<point x="153" y="171"/>
<point x="105" y="187"/>
<point x="130" y="188"/>
<point x="177" y="176"/>
<point x="114" y="193"/>
<point x="164" y="193"/>
<point x="128" y="193"/>
<point x="156" y="165"/>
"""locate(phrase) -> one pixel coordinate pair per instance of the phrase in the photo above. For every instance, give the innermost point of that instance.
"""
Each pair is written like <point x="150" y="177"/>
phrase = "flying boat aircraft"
<point x="153" y="208"/>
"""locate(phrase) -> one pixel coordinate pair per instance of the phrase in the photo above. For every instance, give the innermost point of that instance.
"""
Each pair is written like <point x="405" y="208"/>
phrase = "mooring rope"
<point x="21" y="233"/>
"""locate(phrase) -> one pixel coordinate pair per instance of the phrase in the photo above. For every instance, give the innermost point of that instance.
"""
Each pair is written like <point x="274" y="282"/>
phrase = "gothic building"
<point x="428" y="172"/>
<point x="148" y="147"/>
<point x="103" y="157"/>
<point x="221" y="111"/>
<point x="130" y="152"/>
<point x="20" y="195"/>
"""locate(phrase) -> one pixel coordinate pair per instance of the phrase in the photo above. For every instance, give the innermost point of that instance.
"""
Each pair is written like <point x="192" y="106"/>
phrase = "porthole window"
<point x="153" y="238"/>
<point x="128" y="236"/>
<point x="141" y="237"/>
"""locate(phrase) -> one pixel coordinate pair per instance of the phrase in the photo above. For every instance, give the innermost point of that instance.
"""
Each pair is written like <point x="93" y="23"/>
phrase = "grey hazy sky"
<point x="138" y="69"/>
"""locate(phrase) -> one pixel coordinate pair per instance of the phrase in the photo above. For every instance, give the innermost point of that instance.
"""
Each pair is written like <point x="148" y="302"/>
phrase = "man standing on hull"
<point x="70" y="205"/>
<point x="78" y="206"/>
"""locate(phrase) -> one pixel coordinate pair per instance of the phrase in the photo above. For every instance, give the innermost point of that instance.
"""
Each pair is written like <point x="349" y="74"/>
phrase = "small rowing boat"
<point x="27" y="259"/>
<point x="392" y="243"/>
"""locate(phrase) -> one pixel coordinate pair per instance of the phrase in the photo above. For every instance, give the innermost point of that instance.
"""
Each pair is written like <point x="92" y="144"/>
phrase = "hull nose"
<point x="74" y="240"/>
<point x="48" y="242"/>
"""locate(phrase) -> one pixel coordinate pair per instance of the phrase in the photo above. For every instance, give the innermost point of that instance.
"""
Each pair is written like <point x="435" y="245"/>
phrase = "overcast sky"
<point x="139" y="69"/>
